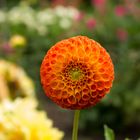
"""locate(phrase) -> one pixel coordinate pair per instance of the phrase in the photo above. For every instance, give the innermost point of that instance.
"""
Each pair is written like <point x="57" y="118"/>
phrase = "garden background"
<point x="28" y="28"/>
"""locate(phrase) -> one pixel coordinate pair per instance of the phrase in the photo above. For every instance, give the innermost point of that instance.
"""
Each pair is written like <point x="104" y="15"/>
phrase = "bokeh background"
<point x="28" y="28"/>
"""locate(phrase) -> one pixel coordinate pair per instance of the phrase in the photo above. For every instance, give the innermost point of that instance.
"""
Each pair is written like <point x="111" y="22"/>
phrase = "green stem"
<point x="75" y="125"/>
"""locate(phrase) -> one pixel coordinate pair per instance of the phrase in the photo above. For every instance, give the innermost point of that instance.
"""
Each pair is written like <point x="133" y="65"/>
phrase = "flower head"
<point x="77" y="72"/>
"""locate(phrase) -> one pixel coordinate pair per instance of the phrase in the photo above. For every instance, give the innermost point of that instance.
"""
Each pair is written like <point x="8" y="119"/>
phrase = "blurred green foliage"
<point x="115" y="25"/>
<point x="110" y="135"/>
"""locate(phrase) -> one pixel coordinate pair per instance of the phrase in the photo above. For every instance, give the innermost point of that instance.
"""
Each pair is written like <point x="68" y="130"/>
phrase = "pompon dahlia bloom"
<point x="76" y="73"/>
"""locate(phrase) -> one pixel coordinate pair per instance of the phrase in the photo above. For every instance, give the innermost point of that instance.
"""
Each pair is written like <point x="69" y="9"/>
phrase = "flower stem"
<point x="75" y="125"/>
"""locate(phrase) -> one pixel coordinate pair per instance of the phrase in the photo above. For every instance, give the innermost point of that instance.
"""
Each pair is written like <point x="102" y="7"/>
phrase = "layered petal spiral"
<point x="76" y="73"/>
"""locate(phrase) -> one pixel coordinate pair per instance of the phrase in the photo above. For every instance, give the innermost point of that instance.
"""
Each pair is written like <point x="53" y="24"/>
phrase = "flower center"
<point x="76" y="74"/>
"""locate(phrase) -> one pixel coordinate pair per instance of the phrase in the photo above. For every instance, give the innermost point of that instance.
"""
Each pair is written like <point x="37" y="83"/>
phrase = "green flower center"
<point x="76" y="74"/>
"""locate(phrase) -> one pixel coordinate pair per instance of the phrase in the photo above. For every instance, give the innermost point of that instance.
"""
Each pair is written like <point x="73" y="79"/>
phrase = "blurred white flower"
<point x="72" y="12"/>
<point x="2" y="16"/>
<point x="60" y="11"/>
<point x="46" y="17"/>
<point x="65" y="23"/>
<point x="42" y="30"/>
<point x="22" y="15"/>
<point x="41" y="21"/>
<point x="68" y="12"/>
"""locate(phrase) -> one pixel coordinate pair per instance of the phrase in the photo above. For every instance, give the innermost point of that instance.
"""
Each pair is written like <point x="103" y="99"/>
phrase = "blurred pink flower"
<point x="120" y="10"/>
<point x="133" y="8"/>
<point x="122" y="34"/>
<point x="79" y="16"/>
<point x="7" y="48"/>
<point x="58" y="2"/>
<point x="98" y="2"/>
<point x="100" y="5"/>
<point x="91" y="23"/>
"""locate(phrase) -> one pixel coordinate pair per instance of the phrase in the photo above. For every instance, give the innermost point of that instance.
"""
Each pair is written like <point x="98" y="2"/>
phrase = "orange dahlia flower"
<point x="76" y="73"/>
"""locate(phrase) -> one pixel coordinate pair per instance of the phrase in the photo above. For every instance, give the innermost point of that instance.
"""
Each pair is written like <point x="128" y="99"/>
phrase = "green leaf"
<point x="108" y="133"/>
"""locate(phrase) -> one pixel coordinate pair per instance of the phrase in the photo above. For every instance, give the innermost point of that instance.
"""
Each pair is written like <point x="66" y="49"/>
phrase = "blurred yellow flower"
<point x="17" y="41"/>
<point x="11" y="74"/>
<point x="20" y="120"/>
